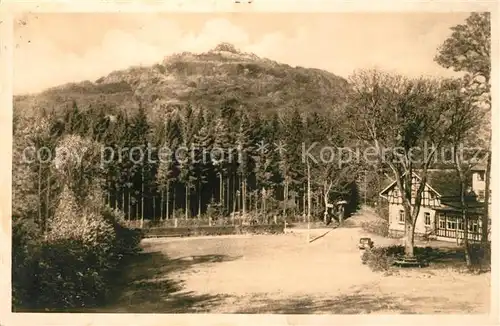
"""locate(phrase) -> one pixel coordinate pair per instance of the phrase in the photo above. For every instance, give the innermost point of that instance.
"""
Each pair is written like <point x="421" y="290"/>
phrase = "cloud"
<point x="54" y="56"/>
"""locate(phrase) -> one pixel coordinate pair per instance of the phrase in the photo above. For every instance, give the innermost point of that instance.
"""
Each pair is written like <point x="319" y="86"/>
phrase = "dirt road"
<point x="287" y="274"/>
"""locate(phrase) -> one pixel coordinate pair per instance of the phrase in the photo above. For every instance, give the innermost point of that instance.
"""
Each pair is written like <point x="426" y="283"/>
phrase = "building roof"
<point x="472" y="208"/>
<point x="445" y="183"/>
<point x="479" y="167"/>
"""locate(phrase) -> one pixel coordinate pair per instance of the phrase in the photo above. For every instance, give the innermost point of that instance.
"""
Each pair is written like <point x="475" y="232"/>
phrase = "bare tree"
<point x="466" y="120"/>
<point x="395" y="118"/>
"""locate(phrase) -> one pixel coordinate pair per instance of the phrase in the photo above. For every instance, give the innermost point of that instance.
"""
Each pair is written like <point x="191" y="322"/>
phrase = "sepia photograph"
<point x="282" y="163"/>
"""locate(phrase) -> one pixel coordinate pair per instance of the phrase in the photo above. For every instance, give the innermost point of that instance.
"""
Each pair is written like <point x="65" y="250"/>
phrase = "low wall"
<point x="212" y="230"/>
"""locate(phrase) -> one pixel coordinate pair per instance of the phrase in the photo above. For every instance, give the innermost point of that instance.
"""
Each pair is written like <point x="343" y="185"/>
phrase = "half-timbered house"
<point x="440" y="215"/>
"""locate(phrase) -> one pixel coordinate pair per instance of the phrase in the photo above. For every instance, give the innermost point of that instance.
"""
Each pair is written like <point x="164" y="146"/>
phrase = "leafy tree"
<point x="468" y="50"/>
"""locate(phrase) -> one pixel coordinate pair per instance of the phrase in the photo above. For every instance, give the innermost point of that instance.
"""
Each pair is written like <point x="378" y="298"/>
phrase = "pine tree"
<point x="168" y="169"/>
<point x="204" y="143"/>
<point x="186" y="163"/>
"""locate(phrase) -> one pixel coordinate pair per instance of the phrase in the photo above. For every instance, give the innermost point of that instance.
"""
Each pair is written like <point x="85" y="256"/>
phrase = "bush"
<point x="480" y="255"/>
<point x="25" y="240"/>
<point x="70" y="268"/>
<point x="377" y="259"/>
<point x="70" y="274"/>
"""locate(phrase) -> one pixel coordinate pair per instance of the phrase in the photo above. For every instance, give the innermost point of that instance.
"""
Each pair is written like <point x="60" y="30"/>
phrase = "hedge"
<point x="213" y="230"/>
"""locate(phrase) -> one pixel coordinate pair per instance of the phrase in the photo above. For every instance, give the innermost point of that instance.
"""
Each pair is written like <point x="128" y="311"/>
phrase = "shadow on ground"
<point x="356" y="303"/>
<point x="148" y="288"/>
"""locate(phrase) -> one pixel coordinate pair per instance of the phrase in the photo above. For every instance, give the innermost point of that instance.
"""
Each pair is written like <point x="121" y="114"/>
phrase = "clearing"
<point x="286" y="274"/>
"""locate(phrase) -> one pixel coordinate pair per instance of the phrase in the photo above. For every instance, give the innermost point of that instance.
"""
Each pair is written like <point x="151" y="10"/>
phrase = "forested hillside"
<point x="207" y="79"/>
<point x="215" y="102"/>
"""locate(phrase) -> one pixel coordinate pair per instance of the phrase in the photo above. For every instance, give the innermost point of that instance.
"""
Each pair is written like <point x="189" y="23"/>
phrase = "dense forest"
<point x="238" y="155"/>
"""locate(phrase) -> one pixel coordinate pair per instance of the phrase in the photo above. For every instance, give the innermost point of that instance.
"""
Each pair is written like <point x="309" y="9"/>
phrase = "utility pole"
<point x="308" y="200"/>
<point x="366" y="186"/>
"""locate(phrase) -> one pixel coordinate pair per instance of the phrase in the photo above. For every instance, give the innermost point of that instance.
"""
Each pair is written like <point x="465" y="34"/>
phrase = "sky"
<point x="56" y="48"/>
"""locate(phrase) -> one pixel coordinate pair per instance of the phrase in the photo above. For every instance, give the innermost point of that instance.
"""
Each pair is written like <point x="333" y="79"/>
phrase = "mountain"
<point x="207" y="79"/>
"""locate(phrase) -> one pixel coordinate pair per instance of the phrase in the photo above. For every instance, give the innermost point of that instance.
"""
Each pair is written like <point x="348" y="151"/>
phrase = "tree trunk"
<point x="39" y="193"/>
<point x="409" y="231"/>
<point x="463" y="185"/>
<point x="142" y="198"/>
<point x="285" y="197"/>
<point x="409" y="239"/>
<point x="243" y="208"/>
<point x="256" y="202"/>
<point x="199" y="199"/>
<point x="161" y="205"/>
<point x="167" y="208"/>
<point x="309" y="199"/>
<point x="250" y="198"/>
<point x="173" y="202"/>
<point x="154" y="208"/>
<point x="326" y="194"/>
<point x="228" y="194"/>
<point x="304" y="205"/>
<point x="486" y="215"/>
<point x="109" y="194"/>
<point x="221" y="190"/>
<point x="264" y="211"/>
<point x="47" y="215"/>
<point x="186" y="202"/>
<point x="234" y="202"/>
<point x="244" y="195"/>
<point x="129" y="205"/>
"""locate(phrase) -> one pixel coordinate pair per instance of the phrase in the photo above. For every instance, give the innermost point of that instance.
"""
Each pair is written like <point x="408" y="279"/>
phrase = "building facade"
<point x="440" y="215"/>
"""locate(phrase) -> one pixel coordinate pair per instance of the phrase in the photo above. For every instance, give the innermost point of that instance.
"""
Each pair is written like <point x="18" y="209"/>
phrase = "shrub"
<point x="69" y="274"/>
<point x="377" y="259"/>
<point x="74" y="266"/>
<point x="480" y="255"/>
<point x="25" y="239"/>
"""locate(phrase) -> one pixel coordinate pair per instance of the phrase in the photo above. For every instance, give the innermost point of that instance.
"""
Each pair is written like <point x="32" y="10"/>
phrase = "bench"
<point x="410" y="262"/>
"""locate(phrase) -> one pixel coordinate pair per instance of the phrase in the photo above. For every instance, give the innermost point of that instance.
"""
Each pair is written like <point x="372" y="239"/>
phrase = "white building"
<point x="440" y="210"/>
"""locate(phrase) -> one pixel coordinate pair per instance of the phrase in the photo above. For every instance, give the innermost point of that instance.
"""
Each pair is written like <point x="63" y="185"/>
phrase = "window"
<point x="473" y="226"/>
<point x="451" y="223"/>
<point x="442" y="221"/>
<point x="480" y="176"/>
<point x="401" y="216"/>
<point x="480" y="195"/>
<point x="427" y="218"/>
<point x="460" y="224"/>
